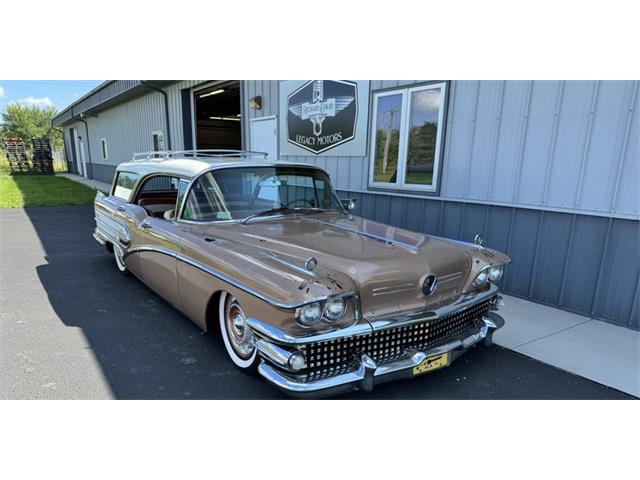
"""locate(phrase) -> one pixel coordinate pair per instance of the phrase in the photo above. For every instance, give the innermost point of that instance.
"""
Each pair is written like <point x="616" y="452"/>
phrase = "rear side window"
<point x="124" y="184"/>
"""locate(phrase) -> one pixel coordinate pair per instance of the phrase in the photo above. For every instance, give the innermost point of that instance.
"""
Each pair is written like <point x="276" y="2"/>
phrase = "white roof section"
<point x="190" y="167"/>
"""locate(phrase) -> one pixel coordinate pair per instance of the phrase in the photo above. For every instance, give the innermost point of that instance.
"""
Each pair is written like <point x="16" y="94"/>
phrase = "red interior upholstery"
<point x="157" y="206"/>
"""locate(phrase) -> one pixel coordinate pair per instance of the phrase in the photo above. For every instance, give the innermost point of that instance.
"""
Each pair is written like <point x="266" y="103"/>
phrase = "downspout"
<point x="86" y="127"/>
<point x="166" y="109"/>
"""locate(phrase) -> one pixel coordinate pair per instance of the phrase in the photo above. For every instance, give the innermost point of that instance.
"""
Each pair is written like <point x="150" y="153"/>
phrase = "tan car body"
<point x="380" y="268"/>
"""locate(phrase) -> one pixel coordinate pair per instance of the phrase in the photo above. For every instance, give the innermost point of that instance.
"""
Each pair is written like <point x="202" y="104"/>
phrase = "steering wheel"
<point x="310" y="202"/>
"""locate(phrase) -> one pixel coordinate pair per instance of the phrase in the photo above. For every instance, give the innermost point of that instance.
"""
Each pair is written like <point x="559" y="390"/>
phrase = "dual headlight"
<point x="490" y="273"/>
<point x="331" y="310"/>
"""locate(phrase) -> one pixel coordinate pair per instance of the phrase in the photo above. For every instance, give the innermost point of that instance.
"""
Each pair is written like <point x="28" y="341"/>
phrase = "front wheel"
<point x="118" y="253"/>
<point x="236" y="334"/>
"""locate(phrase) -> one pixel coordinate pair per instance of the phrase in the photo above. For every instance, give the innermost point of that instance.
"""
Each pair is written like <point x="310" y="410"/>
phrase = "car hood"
<point x="386" y="265"/>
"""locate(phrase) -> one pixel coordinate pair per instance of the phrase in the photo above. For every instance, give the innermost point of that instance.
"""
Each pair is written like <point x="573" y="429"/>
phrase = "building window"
<point x="158" y="141"/>
<point x="406" y="144"/>
<point x="103" y="149"/>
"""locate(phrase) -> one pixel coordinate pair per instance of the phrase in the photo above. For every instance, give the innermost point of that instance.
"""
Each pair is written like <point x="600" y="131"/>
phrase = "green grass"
<point x="19" y="191"/>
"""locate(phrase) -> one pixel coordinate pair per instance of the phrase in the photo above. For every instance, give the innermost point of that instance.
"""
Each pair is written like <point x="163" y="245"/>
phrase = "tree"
<point x="30" y="122"/>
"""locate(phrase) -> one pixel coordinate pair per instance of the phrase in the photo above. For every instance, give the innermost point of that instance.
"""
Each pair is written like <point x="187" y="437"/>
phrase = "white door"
<point x="264" y="136"/>
<point x="82" y="166"/>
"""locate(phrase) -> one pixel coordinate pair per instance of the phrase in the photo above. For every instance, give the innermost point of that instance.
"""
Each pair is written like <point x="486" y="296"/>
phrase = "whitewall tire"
<point x="118" y="254"/>
<point x="236" y="334"/>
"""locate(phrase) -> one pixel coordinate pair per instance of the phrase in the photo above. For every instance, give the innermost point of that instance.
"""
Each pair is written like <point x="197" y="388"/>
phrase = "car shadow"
<point x="146" y="349"/>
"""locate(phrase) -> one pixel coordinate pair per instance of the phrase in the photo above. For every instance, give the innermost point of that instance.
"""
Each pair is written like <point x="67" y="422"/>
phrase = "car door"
<point x="157" y="246"/>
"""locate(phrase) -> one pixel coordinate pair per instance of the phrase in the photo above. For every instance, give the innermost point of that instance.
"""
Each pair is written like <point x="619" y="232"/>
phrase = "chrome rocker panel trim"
<point x="369" y="374"/>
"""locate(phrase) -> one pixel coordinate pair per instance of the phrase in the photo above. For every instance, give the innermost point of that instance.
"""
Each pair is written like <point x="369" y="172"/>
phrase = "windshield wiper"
<point x="270" y="211"/>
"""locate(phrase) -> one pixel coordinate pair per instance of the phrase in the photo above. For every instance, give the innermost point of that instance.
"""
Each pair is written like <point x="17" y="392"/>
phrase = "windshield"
<point x="237" y="193"/>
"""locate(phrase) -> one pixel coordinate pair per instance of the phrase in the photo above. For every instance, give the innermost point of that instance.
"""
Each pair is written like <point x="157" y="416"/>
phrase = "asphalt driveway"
<point x="72" y="327"/>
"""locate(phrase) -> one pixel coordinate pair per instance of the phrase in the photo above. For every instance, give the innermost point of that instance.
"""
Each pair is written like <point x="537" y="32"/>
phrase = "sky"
<point x="59" y="93"/>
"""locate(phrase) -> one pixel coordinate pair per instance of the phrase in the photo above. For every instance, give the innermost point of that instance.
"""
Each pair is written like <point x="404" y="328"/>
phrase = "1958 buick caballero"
<point x="317" y="300"/>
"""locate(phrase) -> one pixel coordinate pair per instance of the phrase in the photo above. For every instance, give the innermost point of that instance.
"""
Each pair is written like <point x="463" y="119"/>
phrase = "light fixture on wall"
<point x="233" y="119"/>
<point x="256" y="102"/>
<point x="215" y="92"/>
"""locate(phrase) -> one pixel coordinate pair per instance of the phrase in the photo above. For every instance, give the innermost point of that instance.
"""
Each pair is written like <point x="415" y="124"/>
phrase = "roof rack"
<point x="162" y="155"/>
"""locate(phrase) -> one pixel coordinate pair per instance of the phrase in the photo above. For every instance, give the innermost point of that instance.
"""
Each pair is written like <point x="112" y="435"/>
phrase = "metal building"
<point x="547" y="171"/>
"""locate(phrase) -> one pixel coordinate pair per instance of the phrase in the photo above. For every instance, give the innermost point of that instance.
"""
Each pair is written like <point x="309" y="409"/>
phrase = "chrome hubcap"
<point x="240" y="337"/>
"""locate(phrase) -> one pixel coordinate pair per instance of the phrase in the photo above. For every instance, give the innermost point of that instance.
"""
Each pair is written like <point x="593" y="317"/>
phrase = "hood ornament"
<point x="478" y="240"/>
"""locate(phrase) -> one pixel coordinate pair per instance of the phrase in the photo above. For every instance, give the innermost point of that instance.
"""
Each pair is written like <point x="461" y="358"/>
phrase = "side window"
<point x="205" y="201"/>
<point x="158" y="195"/>
<point x="103" y="149"/>
<point x="124" y="184"/>
<point x="160" y="184"/>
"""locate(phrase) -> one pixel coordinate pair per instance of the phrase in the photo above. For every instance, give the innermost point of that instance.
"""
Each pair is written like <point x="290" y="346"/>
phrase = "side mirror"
<point x="348" y="203"/>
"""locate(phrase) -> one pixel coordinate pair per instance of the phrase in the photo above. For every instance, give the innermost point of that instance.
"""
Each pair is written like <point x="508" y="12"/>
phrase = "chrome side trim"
<point x="391" y="289"/>
<point x="148" y="248"/>
<point x="108" y="227"/>
<point x="449" y="278"/>
<point x="229" y="280"/>
<point x="381" y="238"/>
<point x="279" y="336"/>
<point x="293" y="266"/>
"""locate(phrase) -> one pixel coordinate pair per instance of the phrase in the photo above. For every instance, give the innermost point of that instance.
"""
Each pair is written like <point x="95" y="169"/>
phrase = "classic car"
<point x="315" y="299"/>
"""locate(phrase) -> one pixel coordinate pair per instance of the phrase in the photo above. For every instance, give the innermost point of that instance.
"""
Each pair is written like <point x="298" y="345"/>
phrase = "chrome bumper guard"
<point x="276" y="347"/>
<point x="368" y="374"/>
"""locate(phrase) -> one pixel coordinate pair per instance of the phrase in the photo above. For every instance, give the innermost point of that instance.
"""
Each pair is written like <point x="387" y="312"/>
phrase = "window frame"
<point x="133" y="189"/>
<point x="104" y="149"/>
<point x="400" y="184"/>
<point x="160" y="135"/>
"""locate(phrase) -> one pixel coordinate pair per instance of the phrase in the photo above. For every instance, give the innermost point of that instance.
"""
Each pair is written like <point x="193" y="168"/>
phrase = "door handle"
<point x="145" y="225"/>
<point x="120" y="209"/>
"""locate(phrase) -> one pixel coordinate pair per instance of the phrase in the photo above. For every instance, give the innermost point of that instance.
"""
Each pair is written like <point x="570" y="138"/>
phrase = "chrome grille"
<point x="333" y="357"/>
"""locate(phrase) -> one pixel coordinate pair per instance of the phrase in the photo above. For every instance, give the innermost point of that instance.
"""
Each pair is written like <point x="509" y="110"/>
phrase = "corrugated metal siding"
<point x="560" y="145"/>
<point x="175" y="110"/>
<point x="515" y="152"/>
<point x="582" y="263"/>
<point x="127" y="128"/>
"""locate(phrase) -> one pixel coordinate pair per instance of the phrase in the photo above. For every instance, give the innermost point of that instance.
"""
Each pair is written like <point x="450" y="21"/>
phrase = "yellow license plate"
<point x="431" y="363"/>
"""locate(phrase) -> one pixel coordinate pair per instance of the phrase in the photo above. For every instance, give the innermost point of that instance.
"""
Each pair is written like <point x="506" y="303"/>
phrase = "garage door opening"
<point x="217" y="116"/>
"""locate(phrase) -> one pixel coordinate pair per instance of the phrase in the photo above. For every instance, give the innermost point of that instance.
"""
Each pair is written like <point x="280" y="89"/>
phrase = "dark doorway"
<point x="217" y="116"/>
<point x="72" y="163"/>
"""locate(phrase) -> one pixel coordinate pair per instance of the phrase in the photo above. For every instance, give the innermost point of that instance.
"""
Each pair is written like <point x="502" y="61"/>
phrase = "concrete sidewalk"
<point x="102" y="186"/>
<point x="593" y="349"/>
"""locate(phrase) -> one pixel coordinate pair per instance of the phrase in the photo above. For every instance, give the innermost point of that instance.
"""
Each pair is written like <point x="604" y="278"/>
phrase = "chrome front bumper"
<point x="368" y="374"/>
<point x="275" y="348"/>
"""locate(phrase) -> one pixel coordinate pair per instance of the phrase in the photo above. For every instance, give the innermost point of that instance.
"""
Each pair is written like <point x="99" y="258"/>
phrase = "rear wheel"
<point x="236" y="334"/>
<point x="118" y="253"/>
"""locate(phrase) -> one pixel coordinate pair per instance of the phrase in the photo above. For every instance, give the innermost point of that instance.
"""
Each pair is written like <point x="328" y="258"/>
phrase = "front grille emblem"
<point x="430" y="284"/>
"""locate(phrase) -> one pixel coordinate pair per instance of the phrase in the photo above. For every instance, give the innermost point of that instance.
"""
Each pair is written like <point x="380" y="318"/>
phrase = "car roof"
<point x="191" y="167"/>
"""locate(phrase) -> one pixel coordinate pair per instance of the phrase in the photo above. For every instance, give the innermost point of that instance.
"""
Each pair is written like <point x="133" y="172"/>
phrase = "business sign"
<point x="324" y="117"/>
